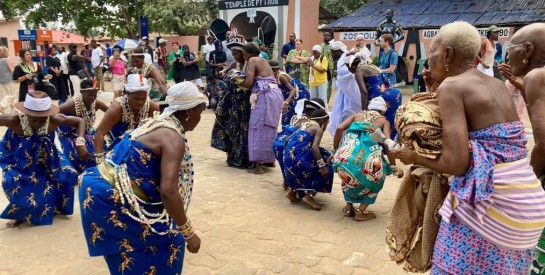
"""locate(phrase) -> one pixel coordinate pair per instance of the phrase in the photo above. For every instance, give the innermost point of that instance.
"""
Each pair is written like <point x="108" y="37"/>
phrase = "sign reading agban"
<point x="429" y="33"/>
<point x="245" y="4"/>
<point x="352" y="35"/>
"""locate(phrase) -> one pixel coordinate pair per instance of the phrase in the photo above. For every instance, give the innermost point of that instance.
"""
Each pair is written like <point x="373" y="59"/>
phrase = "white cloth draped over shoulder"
<point x="348" y="97"/>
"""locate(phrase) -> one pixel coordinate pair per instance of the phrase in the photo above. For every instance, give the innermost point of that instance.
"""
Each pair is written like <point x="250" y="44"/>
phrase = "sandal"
<point x="362" y="216"/>
<point x="348" y="213"/>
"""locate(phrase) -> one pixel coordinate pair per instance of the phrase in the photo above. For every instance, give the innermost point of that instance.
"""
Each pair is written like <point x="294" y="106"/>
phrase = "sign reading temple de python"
<point x="243" y="4"/>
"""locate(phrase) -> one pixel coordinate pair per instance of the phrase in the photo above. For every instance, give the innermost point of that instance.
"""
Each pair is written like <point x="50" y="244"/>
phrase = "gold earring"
<point x="187" y="118"/>
<point x="446" y="66"/>
<point x="525" y="61"/>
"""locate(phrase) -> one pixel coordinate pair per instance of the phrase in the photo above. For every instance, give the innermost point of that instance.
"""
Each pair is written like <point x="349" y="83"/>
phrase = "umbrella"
<point x="127" y="44"/>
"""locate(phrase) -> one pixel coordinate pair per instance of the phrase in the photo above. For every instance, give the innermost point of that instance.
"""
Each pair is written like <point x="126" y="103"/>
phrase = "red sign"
<point x="44" y="35"/>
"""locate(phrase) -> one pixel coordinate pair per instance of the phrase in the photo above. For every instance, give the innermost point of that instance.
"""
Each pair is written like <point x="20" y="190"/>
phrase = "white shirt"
<point x="64" y="62"/>
<point x="348" y="98"/>
<point x="207" y="50"/>
<point x="363" y="50"/>
<point x="96" y="56"/>
<point x="147" y="58"/>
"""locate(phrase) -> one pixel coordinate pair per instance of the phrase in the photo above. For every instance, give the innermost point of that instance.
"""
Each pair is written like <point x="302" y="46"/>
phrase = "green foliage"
<point x="341" y="9"/>
<point x="114" y="17"/>
<point x="181" y="17"/>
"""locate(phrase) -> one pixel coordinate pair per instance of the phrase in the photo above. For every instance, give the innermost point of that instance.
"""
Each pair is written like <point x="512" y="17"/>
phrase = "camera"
<point x="34" y="79"/>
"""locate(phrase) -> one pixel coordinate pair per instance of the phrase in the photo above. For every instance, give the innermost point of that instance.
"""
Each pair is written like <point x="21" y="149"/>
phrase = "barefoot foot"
<point x="284" y="186"/>
<point x="309" y="200"/>
<point x="13" y="224"/>
<point x="292" y="196"/>
<point x="348" y="210"/>
<point x="362" y="216"/>
<point x="257" y="171"/>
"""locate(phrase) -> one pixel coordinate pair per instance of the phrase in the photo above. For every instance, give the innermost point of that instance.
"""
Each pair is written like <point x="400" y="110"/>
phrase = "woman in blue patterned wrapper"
<point x="85" y="106"/>
<point x="134" y="203"/>
<point x="305" y="167"/>
<point x="126" y="113"/>
<point x="292" y="89"/>
<point x="304" y="109"/>
<point x="38" y="178"/>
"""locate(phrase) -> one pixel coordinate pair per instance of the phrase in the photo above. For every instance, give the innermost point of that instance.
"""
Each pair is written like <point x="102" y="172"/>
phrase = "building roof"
<point x="425" y="13"/>
<point x="64" y="37"/>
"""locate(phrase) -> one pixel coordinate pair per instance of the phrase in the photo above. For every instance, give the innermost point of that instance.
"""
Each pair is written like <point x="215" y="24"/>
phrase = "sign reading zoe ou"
<point x="353" y="35"/>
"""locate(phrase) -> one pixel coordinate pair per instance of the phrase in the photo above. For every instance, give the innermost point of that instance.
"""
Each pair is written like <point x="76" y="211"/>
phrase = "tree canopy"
<point x="114" y="17"/>
<point x="340" y="10"/>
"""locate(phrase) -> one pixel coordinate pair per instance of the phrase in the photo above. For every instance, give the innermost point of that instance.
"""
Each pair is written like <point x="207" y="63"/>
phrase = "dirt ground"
<point x="246" y="224"/>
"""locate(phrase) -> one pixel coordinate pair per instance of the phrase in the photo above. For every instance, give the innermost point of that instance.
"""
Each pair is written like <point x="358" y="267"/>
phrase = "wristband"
<point x="80" y="141"/>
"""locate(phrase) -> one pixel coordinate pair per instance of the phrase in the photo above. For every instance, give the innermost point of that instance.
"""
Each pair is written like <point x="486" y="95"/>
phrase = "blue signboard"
<point x="144" y="27"/>
<point x="27" y="35"/>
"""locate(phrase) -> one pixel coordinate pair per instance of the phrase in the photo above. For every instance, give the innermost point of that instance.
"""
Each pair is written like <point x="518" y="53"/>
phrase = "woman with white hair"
<point x="359" y="160"/>
<point x="126" y="113"/>
<point x="134" y="204"/>
<point x="495" y="210"/>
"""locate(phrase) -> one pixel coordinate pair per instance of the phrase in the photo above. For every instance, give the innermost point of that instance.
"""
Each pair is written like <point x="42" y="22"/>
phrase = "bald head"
<point x="533" y="34"/>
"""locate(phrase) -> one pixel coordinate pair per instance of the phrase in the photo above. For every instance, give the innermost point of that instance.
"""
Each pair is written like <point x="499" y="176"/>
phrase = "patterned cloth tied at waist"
<point x="514" y="215"/>
<point x="110" y="174"/>
<point x="413" y="224"/>
<point x="262" y="88"/>
<point x="419" y="125"/>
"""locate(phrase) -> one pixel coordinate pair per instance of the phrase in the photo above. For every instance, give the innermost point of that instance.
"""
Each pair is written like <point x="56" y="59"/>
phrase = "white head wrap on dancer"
<point x="300" y="106"/>
<point x="317" y="48"/>
<point x="338" y="45"/>
<point x="136" y="83"/>
<point x="377" y="104"/>
<point x="182" y="96"/>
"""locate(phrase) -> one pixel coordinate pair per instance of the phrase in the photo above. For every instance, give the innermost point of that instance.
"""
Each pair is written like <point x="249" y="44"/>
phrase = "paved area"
<point x="246" y="224"/>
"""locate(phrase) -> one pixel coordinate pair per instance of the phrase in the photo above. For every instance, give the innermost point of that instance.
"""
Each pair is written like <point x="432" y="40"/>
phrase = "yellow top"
<point x="319" y="78"/>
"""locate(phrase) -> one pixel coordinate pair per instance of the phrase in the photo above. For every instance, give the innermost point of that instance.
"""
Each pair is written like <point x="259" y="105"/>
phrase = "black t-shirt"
<point x="75" y="66"/>
<point x="52" y="62"/>
<point x="218" y="57"/>
<point x="23" y="86"/>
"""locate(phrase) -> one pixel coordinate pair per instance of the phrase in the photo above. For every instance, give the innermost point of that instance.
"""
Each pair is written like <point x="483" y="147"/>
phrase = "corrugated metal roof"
<point x="430" y="14"/>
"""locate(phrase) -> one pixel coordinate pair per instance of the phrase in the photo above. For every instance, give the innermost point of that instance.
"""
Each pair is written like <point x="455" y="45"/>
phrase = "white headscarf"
<point x="362" y="56"/>
<point x="317" y="48"/>
<point x="338" y="45"/>
<point x="182" y="96"/>
<point x="136" y="83"/>
<point x="377" y="104"/>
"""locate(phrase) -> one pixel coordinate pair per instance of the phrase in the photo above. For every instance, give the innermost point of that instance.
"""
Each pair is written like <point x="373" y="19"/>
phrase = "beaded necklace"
<point x="371" y="116"/>
<point x="128" y="116"/>
<point x="309" y="123"/>
<point x="185" y="182"/>
<point x="88" y="115"/>
<point x="28" y="131"/>
<point x="368" y="65"/>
